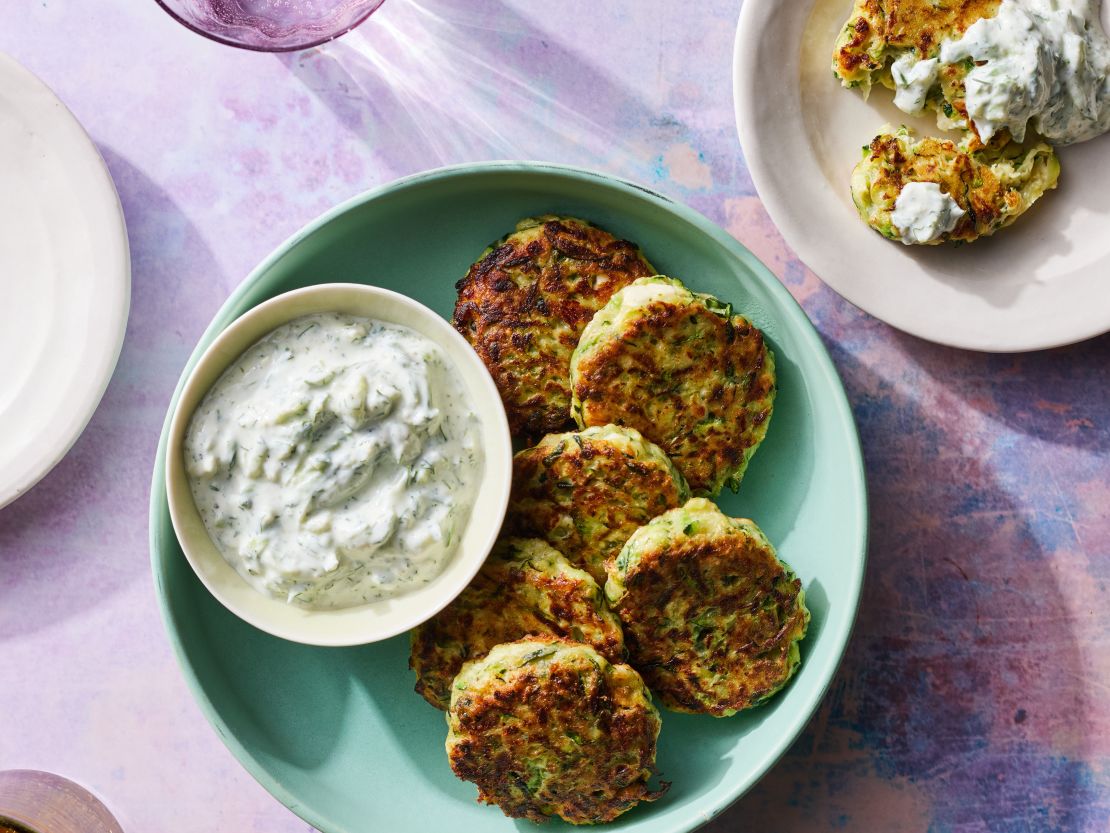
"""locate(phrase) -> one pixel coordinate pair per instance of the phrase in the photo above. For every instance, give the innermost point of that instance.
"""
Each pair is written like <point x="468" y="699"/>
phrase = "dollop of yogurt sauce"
<point x="913" y="79"/>
<point x="923" y="213"/>
<point x="1039" y="63"/>
<point x="335" y="462"/>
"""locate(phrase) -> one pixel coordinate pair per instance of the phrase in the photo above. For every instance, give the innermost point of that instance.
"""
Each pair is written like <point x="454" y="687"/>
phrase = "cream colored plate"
<point x="1043" y="282"/>
<point x="65" y="279"/>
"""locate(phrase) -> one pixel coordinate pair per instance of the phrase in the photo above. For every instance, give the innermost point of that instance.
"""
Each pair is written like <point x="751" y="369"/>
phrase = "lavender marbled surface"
<point x="976" y="692"/>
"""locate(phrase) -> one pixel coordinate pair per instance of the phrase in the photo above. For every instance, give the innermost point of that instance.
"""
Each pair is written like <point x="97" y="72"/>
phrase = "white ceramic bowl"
<point x="388" y="617"/>
<point x="1039" y="283"/>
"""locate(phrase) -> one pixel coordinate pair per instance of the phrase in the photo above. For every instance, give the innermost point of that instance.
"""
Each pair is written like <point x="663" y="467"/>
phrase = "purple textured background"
<point x="976" y="692"/>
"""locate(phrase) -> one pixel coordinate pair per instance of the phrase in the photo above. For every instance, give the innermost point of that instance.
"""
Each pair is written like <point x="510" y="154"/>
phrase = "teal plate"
<point x="337" y="734"/>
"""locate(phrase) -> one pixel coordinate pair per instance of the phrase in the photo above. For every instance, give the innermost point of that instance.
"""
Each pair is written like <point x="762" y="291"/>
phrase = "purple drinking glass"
<point x="271" y="25"/>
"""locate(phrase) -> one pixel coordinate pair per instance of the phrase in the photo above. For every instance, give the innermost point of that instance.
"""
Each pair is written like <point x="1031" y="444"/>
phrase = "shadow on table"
<point x="423" y="81"/>
<point x="962" y="700"/>
<point x="1060" y="396"/>
<point x="80" y="534"/>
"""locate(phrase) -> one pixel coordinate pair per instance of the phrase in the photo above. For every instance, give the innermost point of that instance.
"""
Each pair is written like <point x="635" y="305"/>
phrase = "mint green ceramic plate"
<point x="337" y="734"/>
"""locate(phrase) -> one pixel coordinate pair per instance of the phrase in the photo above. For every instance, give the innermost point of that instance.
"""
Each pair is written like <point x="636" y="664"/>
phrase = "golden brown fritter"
<point x="712" y="617"/>
<point x="551" y="728"/>
<point x="994" y="187"/>
<point x="878" y="31"/>
<point x="586" y="492"/>
<point x="524" y="304"/>
<point x="685" y="372"/>
<point x="525" y="588"/>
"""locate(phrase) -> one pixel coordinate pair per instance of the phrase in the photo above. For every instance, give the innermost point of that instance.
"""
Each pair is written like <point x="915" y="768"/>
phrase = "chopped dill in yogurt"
<point x="336" y="461"/>
<point x="1043" y="64"/>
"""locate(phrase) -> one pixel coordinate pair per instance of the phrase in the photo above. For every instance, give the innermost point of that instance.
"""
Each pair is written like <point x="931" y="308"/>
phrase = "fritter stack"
<point x="609" y="574"/>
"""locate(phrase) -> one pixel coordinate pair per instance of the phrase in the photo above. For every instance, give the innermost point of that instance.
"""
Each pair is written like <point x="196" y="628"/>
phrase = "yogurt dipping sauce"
<point x="336" y="461"/>
<point x="1038" y="63"/>
<point x="923" y="213"/>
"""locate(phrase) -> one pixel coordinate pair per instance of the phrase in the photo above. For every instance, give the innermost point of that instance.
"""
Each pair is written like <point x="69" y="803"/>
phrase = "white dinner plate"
<point x="1043" y="282"/>
<point x="65" y="279"/>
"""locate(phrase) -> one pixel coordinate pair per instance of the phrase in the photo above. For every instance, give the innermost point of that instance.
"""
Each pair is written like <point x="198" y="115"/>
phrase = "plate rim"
<point x="89" y="155"/>
<point x="839" y="408"/>
<point x="752" y="13"/>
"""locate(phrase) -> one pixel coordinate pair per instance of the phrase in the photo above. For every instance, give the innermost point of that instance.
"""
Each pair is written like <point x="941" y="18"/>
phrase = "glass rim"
<point x="255" y="48"/>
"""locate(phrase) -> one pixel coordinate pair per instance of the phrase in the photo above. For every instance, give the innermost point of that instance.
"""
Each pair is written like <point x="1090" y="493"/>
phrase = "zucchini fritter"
<point x="684" y="371"/>
<point x="879" y="31"/>
<point x="712" y="618"/>
<point x="523" y="306"/>
<point x="525" y="588"/>
<point x="992" y="186"/>
<point x="882" y="35"/>
<point x="550" y="728"/>
<point x="586" y="492"/>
